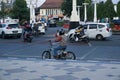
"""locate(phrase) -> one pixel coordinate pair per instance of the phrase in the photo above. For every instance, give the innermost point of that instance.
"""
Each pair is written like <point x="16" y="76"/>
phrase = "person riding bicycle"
<point x="62" y="39"/>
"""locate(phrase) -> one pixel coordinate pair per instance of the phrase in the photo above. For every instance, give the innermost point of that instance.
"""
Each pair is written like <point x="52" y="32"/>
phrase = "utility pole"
<point x="85" y="11"/>
<point x="95" y="11"/>
<point x="79" y="12"/>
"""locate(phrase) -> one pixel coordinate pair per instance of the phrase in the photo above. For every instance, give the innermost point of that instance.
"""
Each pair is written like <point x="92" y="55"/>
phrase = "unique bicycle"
<point x="63" y="54"/>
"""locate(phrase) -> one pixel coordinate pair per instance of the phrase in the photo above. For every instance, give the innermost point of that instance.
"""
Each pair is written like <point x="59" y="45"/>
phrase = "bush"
<point x="59" y="23"/>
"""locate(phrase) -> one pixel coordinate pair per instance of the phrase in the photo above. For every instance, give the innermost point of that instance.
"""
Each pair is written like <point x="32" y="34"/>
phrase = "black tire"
<point x="99" y="37"/>
<point x="46" y="55"/>
<point x="86" y="40"/>
<point x="18" y="36"/>
<point x="29" y="40"/>
<point x="70" y="55"/>
<point x="3" y="35"/>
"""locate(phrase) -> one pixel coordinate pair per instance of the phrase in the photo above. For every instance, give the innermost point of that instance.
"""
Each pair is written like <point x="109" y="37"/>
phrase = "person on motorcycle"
<point x="27" y="28"/>
<point x="62" y="41"/>
<point x="79" y="32"/>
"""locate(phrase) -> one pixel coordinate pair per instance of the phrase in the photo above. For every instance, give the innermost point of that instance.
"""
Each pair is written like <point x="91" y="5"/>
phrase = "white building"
<point x="51" y="9"/>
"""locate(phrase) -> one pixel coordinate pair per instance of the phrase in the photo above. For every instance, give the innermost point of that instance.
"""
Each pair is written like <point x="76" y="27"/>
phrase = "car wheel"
<point x="99" y="37"/>
<point x="18" y="36"/>
<point x="3" y="35"/>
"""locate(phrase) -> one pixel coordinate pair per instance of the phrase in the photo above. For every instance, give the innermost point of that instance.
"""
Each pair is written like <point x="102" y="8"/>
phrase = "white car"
<point x="10" y="29"/>
<point x="41" y="28"/>
<point x="98" y="31"/>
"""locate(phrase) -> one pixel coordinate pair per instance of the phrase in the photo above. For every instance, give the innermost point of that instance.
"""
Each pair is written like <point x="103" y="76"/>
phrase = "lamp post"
<point x="95" y="11"/>
<point x="32" y="11"/>
<point x="85" y="11"/>
<point x="79" y="12"/>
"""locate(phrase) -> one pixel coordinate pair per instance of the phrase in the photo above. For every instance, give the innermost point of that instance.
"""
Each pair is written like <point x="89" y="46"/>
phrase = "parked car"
<point x="99" y="31"/>
<point x="116" y="26"/>
<point x="52" y="23"/>
<point x="41" y="27"/>
<point x="10" y="29"/>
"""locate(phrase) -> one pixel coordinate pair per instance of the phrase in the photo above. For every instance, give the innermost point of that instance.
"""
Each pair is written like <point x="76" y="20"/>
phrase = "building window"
<point x="56" y="12"/>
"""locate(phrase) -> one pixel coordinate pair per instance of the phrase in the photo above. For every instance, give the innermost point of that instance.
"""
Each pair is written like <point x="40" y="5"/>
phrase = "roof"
<point x="48" y="4"/>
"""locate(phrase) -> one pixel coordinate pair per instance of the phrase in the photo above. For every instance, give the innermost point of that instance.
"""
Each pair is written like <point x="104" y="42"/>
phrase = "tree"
<point x="67" y="6"/>
<point x="88" y="1"/>
<point x="118" y="9"/>
<point x="109" y="9"/>
<point x="101" y="10"/>
<point x="20" y="10"/>
<point x="2" y="13"/>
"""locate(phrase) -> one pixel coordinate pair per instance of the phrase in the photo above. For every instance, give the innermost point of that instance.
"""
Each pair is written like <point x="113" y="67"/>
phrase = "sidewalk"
<point x="35" y="69"/>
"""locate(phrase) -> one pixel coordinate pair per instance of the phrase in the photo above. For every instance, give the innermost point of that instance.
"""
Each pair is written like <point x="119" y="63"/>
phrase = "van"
<point x="99" y="31"/>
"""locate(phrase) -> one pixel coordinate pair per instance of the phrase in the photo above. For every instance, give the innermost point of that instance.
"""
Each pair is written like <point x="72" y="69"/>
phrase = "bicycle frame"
<point x="51" y="49"/>
<point x="63" y="54"/>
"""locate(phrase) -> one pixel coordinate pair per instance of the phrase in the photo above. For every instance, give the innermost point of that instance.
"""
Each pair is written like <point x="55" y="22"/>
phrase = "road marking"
<point x="88" y="53"/>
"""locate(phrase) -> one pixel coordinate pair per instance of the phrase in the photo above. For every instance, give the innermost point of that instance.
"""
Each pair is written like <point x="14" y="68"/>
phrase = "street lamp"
<point x="79" y="12"/>
<point x="85" y="11"/>
<point x="95" y="11"/>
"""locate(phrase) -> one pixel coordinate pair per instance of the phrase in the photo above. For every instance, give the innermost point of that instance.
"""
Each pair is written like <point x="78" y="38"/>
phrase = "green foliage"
<point x="104" y="9"/>
<point x="118" y="9"/>
<point x="109" y="9"/>
<point x="90" y="12"/>
<point x="67" y="7"/>
<point x="101" y="10"/>
<point x="87" y="1"/>
<point x="20" y="10"/>
<point x="59" y="23"/>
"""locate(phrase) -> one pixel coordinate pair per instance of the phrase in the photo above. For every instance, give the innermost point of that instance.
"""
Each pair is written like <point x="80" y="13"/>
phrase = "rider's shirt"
<point x="62" y="40"/>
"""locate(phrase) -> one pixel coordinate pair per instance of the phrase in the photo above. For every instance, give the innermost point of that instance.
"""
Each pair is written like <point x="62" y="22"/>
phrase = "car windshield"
<point x="13" y="25"/>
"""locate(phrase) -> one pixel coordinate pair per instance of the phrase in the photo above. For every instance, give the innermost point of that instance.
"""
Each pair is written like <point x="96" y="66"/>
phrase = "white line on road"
<point x="88" y="53"/>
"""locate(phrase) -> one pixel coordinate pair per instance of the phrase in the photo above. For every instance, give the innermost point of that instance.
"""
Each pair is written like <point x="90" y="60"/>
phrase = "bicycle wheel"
<point x="70" y="55"/>
<point x="46" y="55"/>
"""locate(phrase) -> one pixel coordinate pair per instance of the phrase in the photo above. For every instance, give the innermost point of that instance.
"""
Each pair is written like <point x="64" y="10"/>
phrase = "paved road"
<point x="17" y="69"/>
<point x="108" y="50"/>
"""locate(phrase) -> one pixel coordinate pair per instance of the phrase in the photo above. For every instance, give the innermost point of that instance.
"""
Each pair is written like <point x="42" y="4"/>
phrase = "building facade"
<point x="51" y="9"/>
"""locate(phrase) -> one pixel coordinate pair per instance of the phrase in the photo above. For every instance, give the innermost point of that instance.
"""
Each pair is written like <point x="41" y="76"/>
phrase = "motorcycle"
<point x="75" y="37"/>
<point x="27" y="36"/>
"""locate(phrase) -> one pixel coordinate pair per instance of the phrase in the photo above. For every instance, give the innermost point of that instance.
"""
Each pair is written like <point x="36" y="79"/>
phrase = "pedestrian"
<point x="35" y="29"/>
